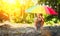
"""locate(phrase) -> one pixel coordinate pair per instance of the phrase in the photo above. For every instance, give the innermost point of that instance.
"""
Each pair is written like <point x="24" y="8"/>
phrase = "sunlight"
<point x="9" y="1"/>
<point x="15" y="7"/>
<point x="22" y="2"/>
<point x="35" y="1"/>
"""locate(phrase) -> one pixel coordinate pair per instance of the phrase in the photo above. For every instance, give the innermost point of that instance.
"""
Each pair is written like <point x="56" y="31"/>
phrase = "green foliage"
<point x="49" y="19"/>
<point x="55" y="4"/>
<point x="30" y="18"/>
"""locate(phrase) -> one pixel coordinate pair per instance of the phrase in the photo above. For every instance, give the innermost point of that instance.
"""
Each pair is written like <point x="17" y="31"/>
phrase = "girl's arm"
<point x="42" y="22"/>
<point x="35" y="22"/>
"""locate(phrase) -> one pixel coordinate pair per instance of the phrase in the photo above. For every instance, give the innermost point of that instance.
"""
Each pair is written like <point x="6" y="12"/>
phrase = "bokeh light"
<point x="15" y="7"/>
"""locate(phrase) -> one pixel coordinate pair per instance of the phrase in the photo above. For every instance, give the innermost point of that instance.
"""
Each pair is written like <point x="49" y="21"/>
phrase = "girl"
<point x="39" y="21"/>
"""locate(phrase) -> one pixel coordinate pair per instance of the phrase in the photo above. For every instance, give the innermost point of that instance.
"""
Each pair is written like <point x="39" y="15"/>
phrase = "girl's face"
<point x="38" y="15"/>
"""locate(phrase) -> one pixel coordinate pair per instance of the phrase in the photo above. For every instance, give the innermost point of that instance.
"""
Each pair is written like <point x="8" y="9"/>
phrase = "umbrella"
<point x="50" y="11"/>
<point x="41" y="9"/>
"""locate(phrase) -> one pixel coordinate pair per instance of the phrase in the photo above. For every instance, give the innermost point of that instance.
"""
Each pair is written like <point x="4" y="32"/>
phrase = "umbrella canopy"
<point x="41" y="9"/>
<point x="50" y="11"/>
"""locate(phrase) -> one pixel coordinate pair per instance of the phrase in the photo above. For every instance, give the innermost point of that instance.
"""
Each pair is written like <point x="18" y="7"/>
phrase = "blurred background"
<point x="20" y="11"/>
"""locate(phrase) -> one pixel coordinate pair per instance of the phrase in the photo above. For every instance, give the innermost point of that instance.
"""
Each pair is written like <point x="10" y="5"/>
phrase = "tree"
<point x="55" y="4"/>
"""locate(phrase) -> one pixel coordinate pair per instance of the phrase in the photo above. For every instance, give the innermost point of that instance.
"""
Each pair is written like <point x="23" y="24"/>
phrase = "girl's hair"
<point x="40" y="14"/>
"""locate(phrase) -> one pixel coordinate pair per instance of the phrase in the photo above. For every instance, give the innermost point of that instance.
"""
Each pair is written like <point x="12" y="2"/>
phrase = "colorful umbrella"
<point x="41" y="9"/>
<point x="50" y="11"/>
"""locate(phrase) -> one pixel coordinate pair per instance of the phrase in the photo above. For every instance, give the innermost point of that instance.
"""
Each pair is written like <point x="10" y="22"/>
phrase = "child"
<point x="39" y="21"/>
